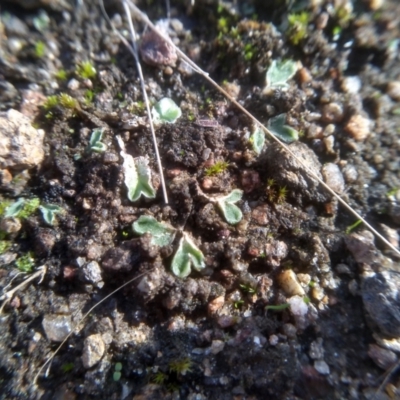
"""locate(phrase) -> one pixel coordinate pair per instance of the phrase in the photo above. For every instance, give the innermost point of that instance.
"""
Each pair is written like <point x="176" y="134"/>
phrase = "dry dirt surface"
<point x="294" y="299"/>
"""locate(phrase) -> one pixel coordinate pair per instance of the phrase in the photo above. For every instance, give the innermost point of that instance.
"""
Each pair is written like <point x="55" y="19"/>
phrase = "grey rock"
<point x="21" y="145"/>
<point x="93" y="350"/>
<point x="57" y="327"/>
<point x="381" y="298"/>
<point x="91" y="272"/>
<point x="286" y="171"/>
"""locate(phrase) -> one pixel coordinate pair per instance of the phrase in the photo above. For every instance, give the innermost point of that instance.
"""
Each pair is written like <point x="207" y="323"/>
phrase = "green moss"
<point x="4" y="246"/>
<point x="89" y="96"/>
<point x="248" y="52"/>
<point x="278" y="307"/>
<point x="67" y="101"/>
<point x="217" y="168"/>
<point x="298" y="27"/>
<point x="51" y="102"/>
<point x="159" y="378"/>
<point x="29" y="208"/>
<point x="40" y="49"/>
<point x="61" y="75"/>
<point x="25" y="263"/>
<point x="3" y="206"/>
<point x="181" y="366"/>
<point x="67" y="367"/>
<point x="86" y="70"/>
<point x="281" y="194"/>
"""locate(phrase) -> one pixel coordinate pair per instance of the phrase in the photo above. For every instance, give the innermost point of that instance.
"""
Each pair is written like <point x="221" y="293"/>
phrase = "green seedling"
<point x="117" y="372"/>
<point x="231" y="212"/>
<point x="22" y="208"/>
<point x="95" y="143"/>
<point x="277" y="125"/>
<point x="86" y="70"/>
<point x="67" y="101"/>
<point x="280" y="72"/>
<point x="351" y="228"/>
<point x="217" y="168"/>
<point x="49" y="212"/>
<point x="166" y="110"/>
<point x="181" y="366"/>
<point x="25" y="263"/>
<point x="161" y="233"/>
<point x="238" y="304"/>
<point x="40" y="49"/>
<point x="188" y="255"/>
<point x="247" y="288"/>
<point x="42" y="21"/>
<point x="257" y="139"/>
<point x="137" y="175"/>
<point x="279" y="307"/>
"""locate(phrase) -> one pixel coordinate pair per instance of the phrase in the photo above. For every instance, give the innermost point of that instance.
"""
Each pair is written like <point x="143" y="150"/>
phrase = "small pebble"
<point x="216" y="304"/>
<point x="93" y="350"/>
<point x="351" y="84"/>
<point x="56" y="327"/>
<point x="333" y="177"/>
<point x="73" y="84"/>
<point x="332" y="113"/>
<point x="290" y="284"/>
<point x="322" y="367"/>
<point x="358" y="127"/>
<point x="273" y="340"/>
<point x="217" y="346"/>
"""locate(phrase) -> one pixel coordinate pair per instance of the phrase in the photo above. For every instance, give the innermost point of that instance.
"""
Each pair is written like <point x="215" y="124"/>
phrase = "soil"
<point x="292" y="303"/>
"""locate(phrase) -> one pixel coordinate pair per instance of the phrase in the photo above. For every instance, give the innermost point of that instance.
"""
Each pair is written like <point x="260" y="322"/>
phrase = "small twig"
<point x="50" y="359"/>
<point x="6" y="297"/>
<point x="206" y="76"/>
<point x="133" y="49"/>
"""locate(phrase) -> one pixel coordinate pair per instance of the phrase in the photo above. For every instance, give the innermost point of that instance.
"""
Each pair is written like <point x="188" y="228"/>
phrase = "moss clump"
<point x="276" y="193"/>
<point x="51" y="102"/>
<point x="217" y="168"/>
<point x="298" y="27"/>
<point x="181" y="366"/>
<point x="40" y="49"/>
<point x="61" y="75"/>
<point x="67" y="101"/>
<point x="25" y="263"/>
<point x="29" y="208"/>
<point x="86" y="70"/>
<point x="4" y="246"/>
